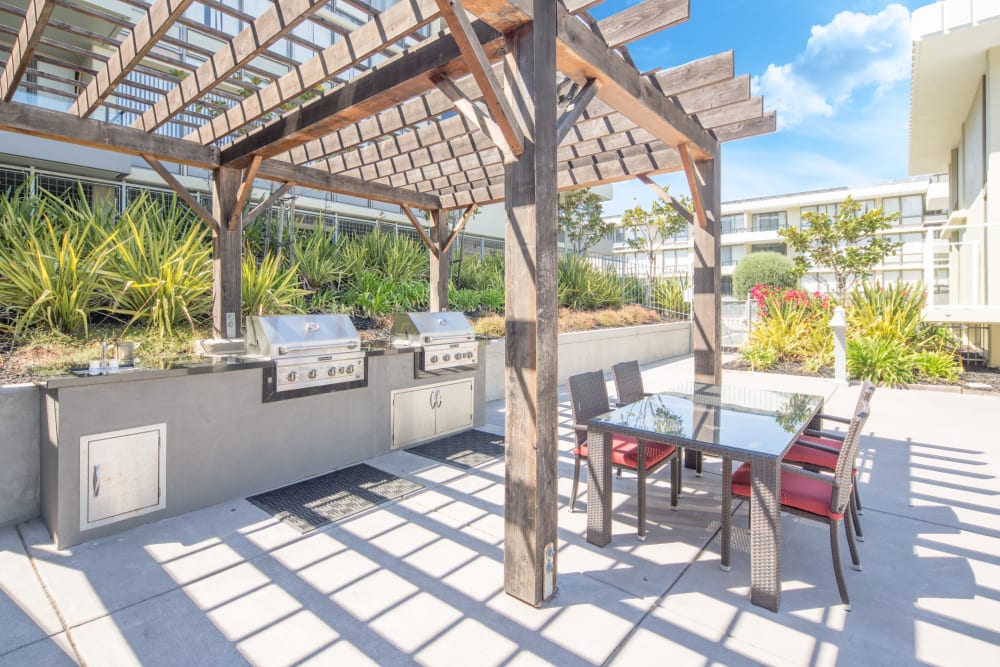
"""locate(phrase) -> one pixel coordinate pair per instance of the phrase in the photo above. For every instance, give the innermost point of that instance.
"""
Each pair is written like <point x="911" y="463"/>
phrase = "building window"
<point x="769" y="222"/>
<point x="910" y="209"/>
<point x="726" y="286"/>
<point x="731" y="224"/>
<point x="769" y="247"/>
<point x="726" y="255"/>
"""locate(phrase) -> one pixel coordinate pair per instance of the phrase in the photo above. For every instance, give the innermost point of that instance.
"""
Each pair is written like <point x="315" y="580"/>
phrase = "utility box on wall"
<point x="122" y="474"/>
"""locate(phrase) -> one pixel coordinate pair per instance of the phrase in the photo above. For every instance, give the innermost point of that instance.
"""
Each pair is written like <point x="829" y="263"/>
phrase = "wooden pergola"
<point x="470" y="102"/>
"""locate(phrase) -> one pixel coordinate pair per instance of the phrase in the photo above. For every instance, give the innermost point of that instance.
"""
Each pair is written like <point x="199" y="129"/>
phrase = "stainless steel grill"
<point x="307" y="350"/>
<point x="442" y="341"/>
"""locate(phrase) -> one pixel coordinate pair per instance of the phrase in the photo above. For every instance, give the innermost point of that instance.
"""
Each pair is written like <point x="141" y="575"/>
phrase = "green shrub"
<point x="938" y="365"/>
<point x="51" y="277"/>
<point x="583" y="286"/>
<point x="794" y="326"/>
<point x="492" y="300"/>
<point x="884" y="361"/>
<point x="396" y="258"/>
<point x="668" y="295"/>
<point x="494" y="326"/>
<point x="410" y="295"/>
<point x="371" y="295"/>
<point x="319" y="258"/>
<point x="325" y="301"/>
<point x="759" y="357"/>
<point x="160" y="272"/>
<point x="763" y="268"/>
<point x="479" y="273"/>
<point x="465" y="300"/>
<point x="268" y="289"/>
<point x="892" y="311"/>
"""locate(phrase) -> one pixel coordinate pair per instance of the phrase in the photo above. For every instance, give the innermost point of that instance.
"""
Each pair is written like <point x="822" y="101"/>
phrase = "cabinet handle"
<point x="431" y="398"/>
<point x="440" y="401"/>
<point x="95" y="482"/>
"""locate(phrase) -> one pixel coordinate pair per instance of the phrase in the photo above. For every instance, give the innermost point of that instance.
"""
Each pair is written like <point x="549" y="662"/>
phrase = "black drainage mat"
<point x="315" y="502"/>
<point x="463" y="450"/>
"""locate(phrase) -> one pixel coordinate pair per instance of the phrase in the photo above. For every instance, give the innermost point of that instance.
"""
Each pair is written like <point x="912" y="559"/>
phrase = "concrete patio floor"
<point x="420" y="580"/>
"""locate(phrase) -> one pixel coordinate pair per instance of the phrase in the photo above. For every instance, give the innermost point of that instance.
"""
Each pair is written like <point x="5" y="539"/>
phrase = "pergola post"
<point x="531" y="328"/>
<point x="707" y="324"/>
<point x="227" y="255"/>
<point x="440" y="261"/>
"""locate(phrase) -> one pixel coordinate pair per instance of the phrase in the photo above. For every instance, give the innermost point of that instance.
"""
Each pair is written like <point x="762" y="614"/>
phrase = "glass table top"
<point x="761" y="421"/>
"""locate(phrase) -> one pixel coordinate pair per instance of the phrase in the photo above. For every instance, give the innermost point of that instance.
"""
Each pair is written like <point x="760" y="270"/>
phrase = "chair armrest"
<point x="818" y="447"/>
<point x="832" y="435"/>
<point x="579" y="427"/>
<point x="834" y="418"/>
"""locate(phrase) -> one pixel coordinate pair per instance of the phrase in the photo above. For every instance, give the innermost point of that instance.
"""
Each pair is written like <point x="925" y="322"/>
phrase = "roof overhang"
<point x="950" y="40"/>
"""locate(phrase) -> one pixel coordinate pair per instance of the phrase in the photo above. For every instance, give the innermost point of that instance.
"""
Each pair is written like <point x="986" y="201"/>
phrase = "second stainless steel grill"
<point x="308" y="350"/>
<point x="442" y="341"/>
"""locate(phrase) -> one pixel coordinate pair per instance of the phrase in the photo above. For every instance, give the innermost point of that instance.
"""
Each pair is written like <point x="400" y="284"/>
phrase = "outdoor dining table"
<point x="734" y="422"/>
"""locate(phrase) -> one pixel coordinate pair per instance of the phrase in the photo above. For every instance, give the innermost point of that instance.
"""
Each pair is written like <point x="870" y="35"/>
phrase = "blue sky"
<point x="836" y="71"/>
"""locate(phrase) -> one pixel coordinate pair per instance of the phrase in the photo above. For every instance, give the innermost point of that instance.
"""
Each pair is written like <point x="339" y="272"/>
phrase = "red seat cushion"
<point x="798" y="491"/>
<point x="625" y="452"/>
<point x="803" y="455"/>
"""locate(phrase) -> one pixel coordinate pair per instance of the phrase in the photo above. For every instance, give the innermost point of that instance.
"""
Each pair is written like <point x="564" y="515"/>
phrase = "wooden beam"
<point x="530" y="554"/>
<point x="440" y="262"/>
<point x="274" y="22"/>
<point x="468" y="43"/>
<point x="257" y="210"/>
<point x="182" y="192"/>
<point x="696" y="183"/>
<point x="697" y="73"/>
<point x="420" y="230"/>
<point x="706" y="325"/>
<point x="398" y="79"/>
<point x="641" y="20"/>
<point x="390" y="26"/>
<point x="227" y="257"/>
<point x="466" y="216"/>
<point x="36" y="15"/>
<point x="476" y="116"/>
<point x="39" y="122"/>
<point x="668" y="198"/>
<point x="158" y="19"/>
<point x="750" y="128"/>
<point x="276" y="170"/>
<point x="246" y="187"/>
<point x="576" y="108"/>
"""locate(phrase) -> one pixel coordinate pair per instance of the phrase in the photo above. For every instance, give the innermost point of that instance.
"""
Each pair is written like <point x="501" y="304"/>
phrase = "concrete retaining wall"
<point x="599" y="349"/>
<point x="19" y="460"/>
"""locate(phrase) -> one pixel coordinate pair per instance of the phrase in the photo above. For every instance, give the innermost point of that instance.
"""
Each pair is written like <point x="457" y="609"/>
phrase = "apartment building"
<point x="752" y="225"/>
<point x="955" y="128"/>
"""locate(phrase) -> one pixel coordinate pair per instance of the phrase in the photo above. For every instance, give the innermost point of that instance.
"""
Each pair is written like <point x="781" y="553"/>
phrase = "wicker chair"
<point x="819" y="450"/>
<point x="589" y="398"/>
<point x="819" y="496"/>
<point x="628" y="385"/>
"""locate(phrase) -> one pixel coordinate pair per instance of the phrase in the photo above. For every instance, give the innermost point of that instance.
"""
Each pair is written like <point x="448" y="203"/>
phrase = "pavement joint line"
<point x="659" y="600"/>
<point x="972" y="530"/>
<point x="49" y="597"/>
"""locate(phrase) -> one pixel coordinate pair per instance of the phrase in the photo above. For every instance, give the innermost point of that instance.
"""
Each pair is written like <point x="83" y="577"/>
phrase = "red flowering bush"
<point x="766" y="296"/>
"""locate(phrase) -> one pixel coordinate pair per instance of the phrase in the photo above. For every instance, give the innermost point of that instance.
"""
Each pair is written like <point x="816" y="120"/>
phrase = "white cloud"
<point x="854" y="52"/>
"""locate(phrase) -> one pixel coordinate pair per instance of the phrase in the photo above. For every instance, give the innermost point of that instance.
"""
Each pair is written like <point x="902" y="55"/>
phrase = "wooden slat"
<point x="36" y="16"/>
<point x="260" y="208"/>
<point x="476" y="116"/>
<point x="277" y="20"/>
<point x="395" y="23"/>
<point x="399" y="79"/>
<point x="642" y="20"/>
<point x="420" y="230"/>
<point x="763" y="125"/>
<point x="667" y="198"/>
<point x="182" y="192"/>
<point x="696" y="73"/>
<point x="468" y="43"/>
<point x="159" y="18"/>
<point x="246" y="187"/>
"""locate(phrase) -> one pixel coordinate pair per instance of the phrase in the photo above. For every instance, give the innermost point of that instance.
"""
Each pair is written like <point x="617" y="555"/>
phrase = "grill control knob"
<point x="341" y="370"/>
<point x="350" y="369"/>
<point x="312" y="374"/>
<point x="434" y="359"/>
<point x="332" y="372"/>
<point x="446" y="357"/>
<point x="292" y="376"/>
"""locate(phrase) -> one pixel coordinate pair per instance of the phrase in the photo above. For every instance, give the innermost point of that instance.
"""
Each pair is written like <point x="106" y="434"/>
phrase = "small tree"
<point x="581" y="219"/>
<point x="847" y="244"/>
<point x="650" y="229"/>
<point x="763" y="268"/>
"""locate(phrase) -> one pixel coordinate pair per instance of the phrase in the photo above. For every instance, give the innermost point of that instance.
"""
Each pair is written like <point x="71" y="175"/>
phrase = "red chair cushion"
<point x="798" y="491"/>
<point x="625" y="452"/>
<point x="804" y="455"/>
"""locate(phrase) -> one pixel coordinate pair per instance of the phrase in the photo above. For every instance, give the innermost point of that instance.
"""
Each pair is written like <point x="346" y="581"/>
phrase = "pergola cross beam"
<point x="667" y="198"/>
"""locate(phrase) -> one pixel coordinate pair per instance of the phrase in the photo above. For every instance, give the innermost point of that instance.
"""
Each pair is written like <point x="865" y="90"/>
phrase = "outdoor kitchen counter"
<point x="140" y="372"/>
<point x="127" y="448"/>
